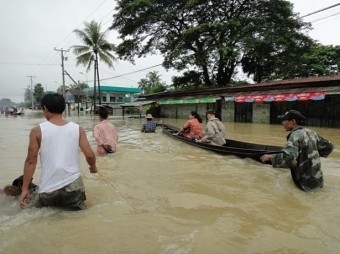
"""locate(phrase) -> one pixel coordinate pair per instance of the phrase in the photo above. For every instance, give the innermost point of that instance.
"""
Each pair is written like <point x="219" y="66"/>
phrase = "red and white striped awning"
<point x="279" y="97"/>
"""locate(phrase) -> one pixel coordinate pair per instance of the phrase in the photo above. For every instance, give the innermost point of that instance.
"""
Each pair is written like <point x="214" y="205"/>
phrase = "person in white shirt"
<point x="57" y="141"/>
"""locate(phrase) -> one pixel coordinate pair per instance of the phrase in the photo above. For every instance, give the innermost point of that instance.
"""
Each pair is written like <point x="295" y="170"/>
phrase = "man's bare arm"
<point x="87" y="150"/>
<point x="30" y="164"/>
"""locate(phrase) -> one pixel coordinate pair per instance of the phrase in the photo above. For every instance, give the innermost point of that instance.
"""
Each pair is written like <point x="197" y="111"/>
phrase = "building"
<point x="112" y="95"/>
<point x="316" y="97"/>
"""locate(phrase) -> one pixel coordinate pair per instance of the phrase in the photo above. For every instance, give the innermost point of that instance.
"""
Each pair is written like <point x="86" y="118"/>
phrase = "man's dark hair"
<point x="55" y="103"/>
<point x="210" y="112"/>
<point x="103" y="112"/>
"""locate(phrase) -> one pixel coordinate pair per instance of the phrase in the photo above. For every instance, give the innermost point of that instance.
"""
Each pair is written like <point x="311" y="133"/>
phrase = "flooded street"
<point x="157" y="195"/>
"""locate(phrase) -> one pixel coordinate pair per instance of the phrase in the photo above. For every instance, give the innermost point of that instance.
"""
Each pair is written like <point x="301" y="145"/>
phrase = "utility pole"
<point x="30" y="76"/>
<point x="63" y="58"/>
<point x="87" y="89"/>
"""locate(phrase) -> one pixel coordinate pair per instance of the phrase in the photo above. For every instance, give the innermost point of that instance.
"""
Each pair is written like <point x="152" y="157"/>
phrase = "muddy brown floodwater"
<point x="156" y="195"/>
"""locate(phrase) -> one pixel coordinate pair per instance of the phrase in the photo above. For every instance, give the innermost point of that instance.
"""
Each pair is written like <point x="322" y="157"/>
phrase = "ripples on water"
<point x="156" y="195"/>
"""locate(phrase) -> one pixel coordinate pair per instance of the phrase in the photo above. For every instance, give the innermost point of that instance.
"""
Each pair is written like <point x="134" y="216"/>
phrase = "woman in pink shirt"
<point x="105" y="134"/>
<point x="192" y="129"/>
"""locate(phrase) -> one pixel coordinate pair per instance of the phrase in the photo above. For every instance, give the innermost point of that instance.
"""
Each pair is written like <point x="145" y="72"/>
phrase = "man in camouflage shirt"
<point x="301" y="153"/>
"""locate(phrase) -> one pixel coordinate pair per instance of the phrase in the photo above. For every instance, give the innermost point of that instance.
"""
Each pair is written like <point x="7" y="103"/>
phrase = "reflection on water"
<point x="156" y="195"/>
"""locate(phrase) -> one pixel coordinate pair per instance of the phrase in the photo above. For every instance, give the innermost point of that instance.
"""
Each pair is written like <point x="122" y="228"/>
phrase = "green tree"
<point x="320" y="60"/>
<point x="60" y="89"/>
<point x="208" y="38"/>
<point x="152" y="83"/>
<point x="6" y="102"/>
<point x="143" y="84"/>
<point x="95" y="47"/>
<point x="79" y="86"/>
<point x="28" y="96"/>
<point x="273" y="49"/>
<point x="38" y="92"/>
<point x="189" y="80"/>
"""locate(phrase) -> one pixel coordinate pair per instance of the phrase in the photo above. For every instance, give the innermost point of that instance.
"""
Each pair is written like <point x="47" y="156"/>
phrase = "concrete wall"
<point x="228" y="111"/>
<point x="261" y="113"/>
<point x="168" y="111"/>
<point x="183" y="110"/>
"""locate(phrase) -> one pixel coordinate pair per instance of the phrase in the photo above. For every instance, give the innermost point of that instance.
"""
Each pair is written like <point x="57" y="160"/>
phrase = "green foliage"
<point x="38" y="92"/>
<point x="6" y="102"/>
<point x="28" y="96"/>
<point x="212" y="38"/>
<point x="60" y="89"/>
<point x="189" y="79"/>
<point x="152" y="83"/>
<point x="94" y="44"/>
<point x="273" y="49"/>
<point x="95" y="47"/>
<point x="80" y="86"/>
<point x="320" y="60"/>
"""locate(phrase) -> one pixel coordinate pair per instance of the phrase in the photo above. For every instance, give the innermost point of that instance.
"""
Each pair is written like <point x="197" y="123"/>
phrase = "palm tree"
<point x="152" y="83"/>
<point x="96" y="47"/>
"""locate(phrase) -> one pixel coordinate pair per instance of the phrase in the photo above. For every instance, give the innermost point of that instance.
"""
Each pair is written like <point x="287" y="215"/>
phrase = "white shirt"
<point x="59" y="155"/>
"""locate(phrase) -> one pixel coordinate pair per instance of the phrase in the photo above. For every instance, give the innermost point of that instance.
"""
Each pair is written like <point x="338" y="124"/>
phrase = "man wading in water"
<point x="301" y="153"/>
<point x="57" y="141"/>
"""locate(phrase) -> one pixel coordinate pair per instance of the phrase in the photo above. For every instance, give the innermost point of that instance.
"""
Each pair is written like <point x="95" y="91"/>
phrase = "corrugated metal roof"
<point x="281" y="86"/>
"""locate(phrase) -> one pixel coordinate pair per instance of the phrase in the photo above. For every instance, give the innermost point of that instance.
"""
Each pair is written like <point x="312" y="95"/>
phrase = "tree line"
<point x="208" y="42"/>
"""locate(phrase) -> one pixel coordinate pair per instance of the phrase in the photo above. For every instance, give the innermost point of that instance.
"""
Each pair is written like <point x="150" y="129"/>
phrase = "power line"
<point x="323" y="9"/>
<point x="21" y="63"/>
<point x="83" y="21"/>
<point x="131" y="72"/>
<point x="95" y="10"/>
<point x="326" y="17"/>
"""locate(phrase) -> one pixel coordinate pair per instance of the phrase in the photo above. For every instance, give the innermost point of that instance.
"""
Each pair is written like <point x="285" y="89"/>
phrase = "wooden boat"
<point x="232" y="147"/>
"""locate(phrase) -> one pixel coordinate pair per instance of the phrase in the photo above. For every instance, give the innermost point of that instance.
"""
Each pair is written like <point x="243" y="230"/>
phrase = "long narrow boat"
<point x="232" y="147"/>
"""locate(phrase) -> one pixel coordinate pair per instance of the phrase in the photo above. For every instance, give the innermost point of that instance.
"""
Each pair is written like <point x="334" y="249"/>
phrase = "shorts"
<point x="70" y="197"/>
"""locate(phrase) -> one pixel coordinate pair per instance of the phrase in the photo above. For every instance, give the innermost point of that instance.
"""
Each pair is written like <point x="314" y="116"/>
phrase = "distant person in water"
<point x="149" y="126"/>
<point x="105" y="133"/>
<point x="192" y="128"/>
<point x="57" y="142"/>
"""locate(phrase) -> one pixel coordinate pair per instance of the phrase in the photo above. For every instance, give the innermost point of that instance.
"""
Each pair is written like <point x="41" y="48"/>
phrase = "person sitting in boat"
<point x="192" y="129"/>
<point x="149" y="126"/>
<point x="214" y="132"/>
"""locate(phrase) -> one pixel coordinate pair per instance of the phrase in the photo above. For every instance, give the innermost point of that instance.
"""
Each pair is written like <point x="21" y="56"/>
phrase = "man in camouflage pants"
<point x="301" y="153"/>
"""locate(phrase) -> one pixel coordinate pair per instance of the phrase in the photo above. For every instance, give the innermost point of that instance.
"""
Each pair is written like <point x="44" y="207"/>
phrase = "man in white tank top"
<point x="57" y="142"/>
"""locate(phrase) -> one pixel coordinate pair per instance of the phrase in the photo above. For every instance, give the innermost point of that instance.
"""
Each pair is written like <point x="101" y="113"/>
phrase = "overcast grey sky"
<point x="31" y="30"/>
